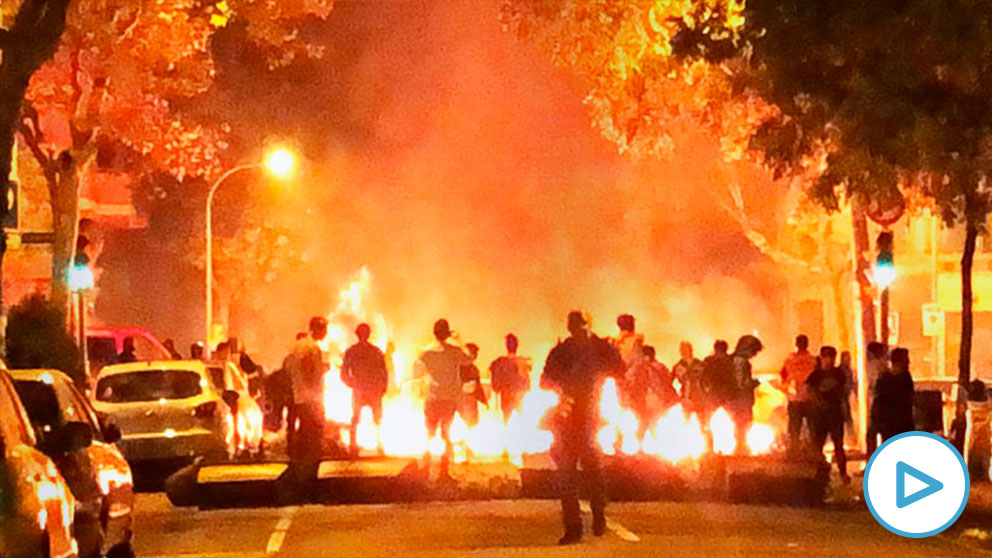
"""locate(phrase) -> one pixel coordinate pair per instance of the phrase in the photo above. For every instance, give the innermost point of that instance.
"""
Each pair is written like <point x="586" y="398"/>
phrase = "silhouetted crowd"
<point x="818" y="388"/>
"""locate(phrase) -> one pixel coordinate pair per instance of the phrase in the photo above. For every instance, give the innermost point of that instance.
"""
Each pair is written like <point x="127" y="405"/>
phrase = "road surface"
<point x="522" y="529"/>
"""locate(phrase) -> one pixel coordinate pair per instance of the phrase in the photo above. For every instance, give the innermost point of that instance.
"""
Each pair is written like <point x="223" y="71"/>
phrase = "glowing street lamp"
<point x="80" y="278"/>
<point x="885" y="275"/>
<point x="280" y="163"/>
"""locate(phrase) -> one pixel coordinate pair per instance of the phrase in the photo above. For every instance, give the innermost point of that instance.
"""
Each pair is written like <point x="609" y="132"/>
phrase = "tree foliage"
<point x="120" y="78"/>
<point x="863" y="100"/>
<point x="37" y="338"/>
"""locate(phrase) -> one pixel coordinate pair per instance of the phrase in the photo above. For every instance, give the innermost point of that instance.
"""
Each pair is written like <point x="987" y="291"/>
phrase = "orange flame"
<point x="674" y="437"/>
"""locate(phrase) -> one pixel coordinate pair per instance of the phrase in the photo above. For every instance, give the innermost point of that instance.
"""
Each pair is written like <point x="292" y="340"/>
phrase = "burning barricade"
<point x="675" y="437"/>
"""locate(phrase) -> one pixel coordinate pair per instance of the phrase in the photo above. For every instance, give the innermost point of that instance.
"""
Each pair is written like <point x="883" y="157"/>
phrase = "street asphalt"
<point x="525" y="528"/>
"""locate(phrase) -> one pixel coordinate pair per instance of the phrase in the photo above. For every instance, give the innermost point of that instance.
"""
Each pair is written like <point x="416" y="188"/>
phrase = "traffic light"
<point x="80" y="275"/>
<point x="11" y="195"/>
<point x="885" y="271"/>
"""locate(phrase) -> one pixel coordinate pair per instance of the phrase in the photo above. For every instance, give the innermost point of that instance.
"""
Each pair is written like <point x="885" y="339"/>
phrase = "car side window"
<point x="77" y="409"/>
<point x="13" y="421"/>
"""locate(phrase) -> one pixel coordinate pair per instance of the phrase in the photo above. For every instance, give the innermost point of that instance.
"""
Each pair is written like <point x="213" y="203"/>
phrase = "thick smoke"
<point x="460" y="167"/>
<point x="478" y="191"/>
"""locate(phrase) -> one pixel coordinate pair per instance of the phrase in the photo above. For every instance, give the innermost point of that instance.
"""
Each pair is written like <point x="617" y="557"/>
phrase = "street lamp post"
<point x="280" y="163"/>
<point x="80" y="279"/>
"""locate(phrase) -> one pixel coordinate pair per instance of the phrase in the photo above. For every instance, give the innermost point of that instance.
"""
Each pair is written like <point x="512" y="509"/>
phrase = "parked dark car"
<point x="97" y="475"/>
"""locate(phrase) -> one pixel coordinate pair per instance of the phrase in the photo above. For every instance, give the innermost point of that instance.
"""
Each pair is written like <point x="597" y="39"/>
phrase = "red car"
<point x="104" y="344"/>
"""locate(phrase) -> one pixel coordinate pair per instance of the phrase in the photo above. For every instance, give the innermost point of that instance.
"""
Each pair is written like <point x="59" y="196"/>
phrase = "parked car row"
<point x="178" y="410"/>
<point x="38" y="510"/>
<point x="66" y="485"/>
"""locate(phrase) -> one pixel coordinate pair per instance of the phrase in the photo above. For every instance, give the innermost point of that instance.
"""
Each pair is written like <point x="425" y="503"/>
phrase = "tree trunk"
<point x="967" y="326"/>
<point x="65" y="207"/>
<point x="30" y="41"/>
<point x="862" y="248"/>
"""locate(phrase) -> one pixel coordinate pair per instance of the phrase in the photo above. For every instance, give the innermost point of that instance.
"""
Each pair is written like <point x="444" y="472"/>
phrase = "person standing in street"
<point x="306" y="374"/>
<point x="472" y="391"/>
<point x="797" y="368"/>
<point x="876" y="366"/>
<point x="720" y="383"/>
<point x="742" y="407"/>
<point x="128" y="353"/>
<point x="892" y="409"/>
<point x="650" y="385"/>
<point x="442" y="364"/>
<point x="576" y="369"/>
<point x="629" y="343"/>
<point x="363" y="369"/>
<point x="510" y="375"/>
<point x="170" y="345"/>
<point x="827" y="387"/>
<point x="852" y="392"/>
<point x="196" y="351"/>
<point x="689" y="372"/>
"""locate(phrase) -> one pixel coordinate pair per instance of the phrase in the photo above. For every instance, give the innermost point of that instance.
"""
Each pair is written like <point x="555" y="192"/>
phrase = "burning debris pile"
<point x="676" y="437"/>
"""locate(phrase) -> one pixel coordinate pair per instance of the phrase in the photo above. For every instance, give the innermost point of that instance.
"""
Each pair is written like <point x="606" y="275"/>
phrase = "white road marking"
<point x="279" y="534"/>
<point x="620" y="531"/>
<point x="275" y="542"/>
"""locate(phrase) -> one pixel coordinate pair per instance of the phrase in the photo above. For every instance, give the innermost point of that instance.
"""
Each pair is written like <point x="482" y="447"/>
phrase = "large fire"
<point x="674" y="437"/>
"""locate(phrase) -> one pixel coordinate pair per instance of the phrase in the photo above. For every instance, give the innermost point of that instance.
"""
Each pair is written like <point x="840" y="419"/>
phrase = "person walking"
<point x="575" y="369"/>
<point x="650" y="385"/>
<point x="628" y="342"/>
<point x="742" y="407"/>
<point x="689" y="373"/>
<point x="720" y="383"/>
<point x="306" y="369"/>
<point x="979" y="447"/>
<point x="852" y="392"/>
<point x="892" y="409"/>
<point x="363" y="369"/>
<point x="510" y="375"/>
<point x="472" y="390"/>
<point x="442" y="363"/>
<point x="797" y="368"/>
<point x="876" y="365"/>
<point x="827" y="388"/>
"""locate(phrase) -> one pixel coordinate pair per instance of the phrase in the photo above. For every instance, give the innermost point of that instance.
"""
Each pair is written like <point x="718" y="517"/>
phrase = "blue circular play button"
<point x="916" y="484"/>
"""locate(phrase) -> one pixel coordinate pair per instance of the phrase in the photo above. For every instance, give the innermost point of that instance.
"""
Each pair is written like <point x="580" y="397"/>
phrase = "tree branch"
<point x="129" y="30"/>
<point x="739" y="213"/>
<point x="30" y="130"/>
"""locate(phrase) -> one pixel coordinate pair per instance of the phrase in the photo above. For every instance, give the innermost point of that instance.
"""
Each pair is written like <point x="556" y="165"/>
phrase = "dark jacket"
<point x="364" y="369"/>
<point x="470" y="373"/>
<point x="577" y="367"/>
<point x="892" y="408"/>
<point x="719" y="378"/>
<point x="828" y="389"/>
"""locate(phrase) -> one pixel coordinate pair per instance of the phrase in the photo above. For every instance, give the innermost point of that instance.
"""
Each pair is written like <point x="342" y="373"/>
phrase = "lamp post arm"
<point x="208" y="259"/>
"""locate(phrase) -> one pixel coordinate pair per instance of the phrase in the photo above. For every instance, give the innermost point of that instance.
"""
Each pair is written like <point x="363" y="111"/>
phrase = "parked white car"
<point x="178" y="410"/>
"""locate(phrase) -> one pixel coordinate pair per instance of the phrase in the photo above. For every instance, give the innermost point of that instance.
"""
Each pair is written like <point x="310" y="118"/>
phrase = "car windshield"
<point x="149" y="385"/>
<point x="41" y="403"/>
